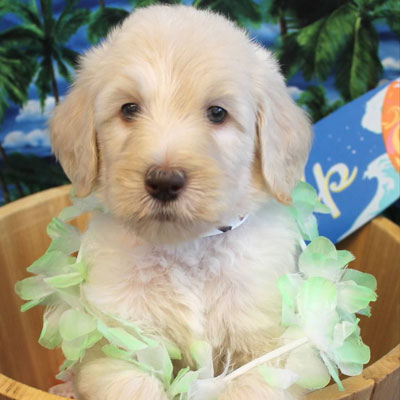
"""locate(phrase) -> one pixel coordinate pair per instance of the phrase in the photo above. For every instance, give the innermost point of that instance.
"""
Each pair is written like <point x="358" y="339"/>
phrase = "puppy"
<point x="181" y="125"/>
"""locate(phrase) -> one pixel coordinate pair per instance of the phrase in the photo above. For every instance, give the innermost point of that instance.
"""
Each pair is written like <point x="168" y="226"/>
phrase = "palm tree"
<point x="44" y="38"/>
<point x="244" y="12"/>
<point x="145" y="3"/>
<point x="345" y="41"/>
<point x="316" y="103"/>
<point x="16" y="73"/>
<point x="103" y="20"/>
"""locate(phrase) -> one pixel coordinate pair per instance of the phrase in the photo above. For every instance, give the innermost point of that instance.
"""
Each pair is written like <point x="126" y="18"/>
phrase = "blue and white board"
<point x="349" y="165"/>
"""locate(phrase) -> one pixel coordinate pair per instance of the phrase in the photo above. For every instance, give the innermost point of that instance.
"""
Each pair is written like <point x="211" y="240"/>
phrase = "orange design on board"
<point x="391" y="123"/>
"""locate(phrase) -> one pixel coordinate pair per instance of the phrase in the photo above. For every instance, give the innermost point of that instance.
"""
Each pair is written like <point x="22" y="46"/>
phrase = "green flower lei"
<point x="319" y="306"/>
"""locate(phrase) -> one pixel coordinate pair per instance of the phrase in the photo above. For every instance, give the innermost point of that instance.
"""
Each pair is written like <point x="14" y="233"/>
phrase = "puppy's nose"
<point x="165" y="184"/>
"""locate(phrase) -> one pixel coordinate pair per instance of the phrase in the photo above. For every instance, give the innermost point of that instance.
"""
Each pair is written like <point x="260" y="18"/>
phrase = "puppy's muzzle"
<point x="165" y="184"/>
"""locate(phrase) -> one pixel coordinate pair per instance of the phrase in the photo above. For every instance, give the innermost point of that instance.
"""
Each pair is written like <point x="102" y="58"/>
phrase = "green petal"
<point x="317" y="297"/>
<point x="320" y="258"/>
<point x="312" y="374"/>
<point x="76" y="323"/>
<point x="353" y="350"/>
<point x="347" y="316"/>
<point x="350" y="369"/>
<point x="30" y="304"/>
<point x="58" y="228"/>
<point x="80" y="206"/>
<point x="365" y="311"/>
<point x="310" y="227"/>
<point x="342" y="331"/>
<point x="67" y="245"/>
<point x="344" y="257"/>
<point x="33" y="288"/>
<point x="158" y="359"/>
<point x="322" y="245"/>
<point x="70" y="295"/>
<point x="139" y="333"/>
<point x="278" y="377"/>
<point x="73" y="349"/>
<point x="307" y="223"/>
<point x="305" y="193"/>
<point x="322" y="208"/>
<point x="173" y="351"/>
<point x="353" y="298"/>
<point x="119" y="337"/>
<point x="306" y="201"/>
<point x="50" y="262"/>
<point x="81" y="268"/>
<point x="50" y="336"/>
<point x="332" y="368"/>
<point x="317" y="302"/>
<point x="65" y="373"/>
<point x="66" y="238"/>
<point x="64" y="280"/>
<point x="113" y="351"/>
<point x="69" y="213"/>
<point x="289" y="317"/>
<point x="92" y="338"/>
<point x="314" y="264"/>
<point x="360" y="278"/>
<point x="202" y="354"/>
<point x="289" y="285"/>
<point x="207" y="389"/>
<point x="182" y="383"/>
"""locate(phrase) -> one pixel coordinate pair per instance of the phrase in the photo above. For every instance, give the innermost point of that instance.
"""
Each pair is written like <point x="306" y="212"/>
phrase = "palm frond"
<point x="42" y="81"/>
<point x="16" y="73"/>
<point x="62" y="68"/>
<point x="46" y="7"/>
<point x="3" y="105"/>
<point x="244" y="11"/>
<point x="146" y="3"/>
<point x="316" y="103"/>
<point x="102" y="21"/>
<point x="71" y="57"/>
<point x="359" y="68"/>
<point x="28" y="11"/>
<point x="290" y="55"/>
<point x="34" y="172"/>
<point x="324" y="39"/>
<point x="69" y="23"/>
<point x="20" y="35"/>
<point x="389" y="11"/>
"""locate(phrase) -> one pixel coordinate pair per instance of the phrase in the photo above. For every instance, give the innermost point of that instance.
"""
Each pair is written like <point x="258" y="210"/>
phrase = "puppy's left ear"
<point x="283" y="129"/>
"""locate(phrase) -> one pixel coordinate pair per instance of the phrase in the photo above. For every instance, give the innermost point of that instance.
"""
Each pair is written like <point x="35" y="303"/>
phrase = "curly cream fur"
<point x="147" y="261"/>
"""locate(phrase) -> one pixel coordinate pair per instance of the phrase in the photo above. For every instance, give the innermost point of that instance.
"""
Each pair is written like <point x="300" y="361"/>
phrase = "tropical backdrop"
<point x="331" y="52"/>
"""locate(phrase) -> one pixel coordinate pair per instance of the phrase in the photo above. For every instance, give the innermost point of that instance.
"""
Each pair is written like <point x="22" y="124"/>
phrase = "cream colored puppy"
<point x="182" y="124"/>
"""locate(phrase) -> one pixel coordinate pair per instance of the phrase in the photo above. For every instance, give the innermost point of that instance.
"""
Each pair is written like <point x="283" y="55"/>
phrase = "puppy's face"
<point x="178" y="121"/>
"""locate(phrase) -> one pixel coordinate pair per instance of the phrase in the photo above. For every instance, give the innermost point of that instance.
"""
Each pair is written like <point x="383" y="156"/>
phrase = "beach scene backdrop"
<point x="341" y="59"/>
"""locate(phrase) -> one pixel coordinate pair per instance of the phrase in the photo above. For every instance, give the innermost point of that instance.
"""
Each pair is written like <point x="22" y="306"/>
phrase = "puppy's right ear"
<point x="73" y="139"/>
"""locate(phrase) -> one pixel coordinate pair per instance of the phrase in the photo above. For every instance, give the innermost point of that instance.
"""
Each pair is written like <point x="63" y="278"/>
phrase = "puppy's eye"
<point x="216" y="115"/>
<point x="129" y="110"/>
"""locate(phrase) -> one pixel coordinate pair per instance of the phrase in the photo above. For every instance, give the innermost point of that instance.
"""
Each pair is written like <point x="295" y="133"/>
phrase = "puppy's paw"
<point x="106" y="379"/>
<point x="253" y="386"/>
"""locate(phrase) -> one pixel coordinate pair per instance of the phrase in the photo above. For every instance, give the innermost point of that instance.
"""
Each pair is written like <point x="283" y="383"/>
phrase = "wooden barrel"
<point x="28" y="370"/>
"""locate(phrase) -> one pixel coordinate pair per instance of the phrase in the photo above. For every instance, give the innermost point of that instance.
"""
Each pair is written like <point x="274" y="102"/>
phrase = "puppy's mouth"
<point x="164" y="215"/>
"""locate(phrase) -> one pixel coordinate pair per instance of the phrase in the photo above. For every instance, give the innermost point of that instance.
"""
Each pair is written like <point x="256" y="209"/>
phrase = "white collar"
<point x="233" y="224"/>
